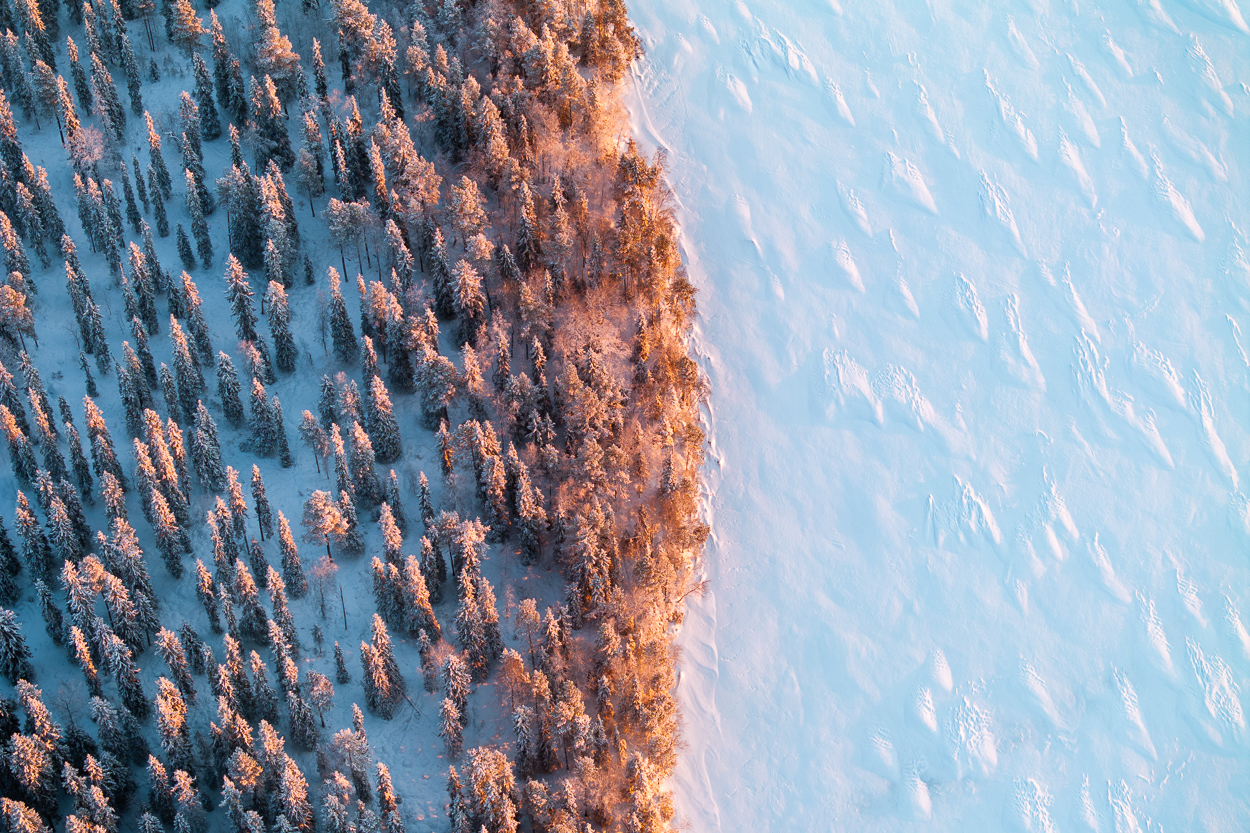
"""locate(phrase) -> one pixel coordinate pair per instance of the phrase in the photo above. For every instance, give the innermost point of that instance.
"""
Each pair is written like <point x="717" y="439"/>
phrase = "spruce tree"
<point x="14" y="654"/>
<point x="530" y="515"/>
<point x="92" y="388"/>
<point x="8" y="554"/>
<point x="132" y="210"/>
<point x="394" y="500"/>
<point x="258" y="564"/>
<point x="134" y="78"/>
<point x="419" y="613"/>
<point x="264" y="514"/>
<point x="254" y="622"/>
<point x="141" y="187"/>
<point x="221" y="59"/>
<point x="169" y="535"/>
<point x="450" y="728"/>
<point x="81" y="87"/>
<point x="209" y="120"/>
<point x="162" y="226"/>
<point x="110" y="105"/>
<point x="206" y="451"/>
<point x="265" y="699"/>
<point x="270" y="134"/>
<point x="292" y="569"/>
<point x="239" y="293"/>
<point x="207" y="594"/>
<point x="171" y="723"/>
<point x="184" y="243"/>
<point x="443" y="278"/>
<point x="182" y="26"/>
<point x="199" y="225"/>
<point x="280" y="328"/>
<point x="158" y="174"/>
<point x="344" y="338"/>
<point x="103" y="456"/>
<point x="383" y="427"/>
<point x="238" y="506"/>
<point x="362" y="460"/>
<point x="169" y="390"/>
<point x="186" y="371"/>
<point x="229" y="391"/>
<point x="9" y="398"/>
<point x="264" y="432"/>
<point x="341" y="674"/>
<point x="303" y="729"/>
<point x="171" y="650"/>
<point x="21" y="453"/>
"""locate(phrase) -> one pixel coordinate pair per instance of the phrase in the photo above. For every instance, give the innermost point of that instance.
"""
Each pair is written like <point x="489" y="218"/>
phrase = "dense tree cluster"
<point x="515" y="302"/>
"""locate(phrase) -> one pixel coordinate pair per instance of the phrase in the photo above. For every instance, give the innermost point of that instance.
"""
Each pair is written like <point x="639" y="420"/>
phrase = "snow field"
<point x="973" y="277"/>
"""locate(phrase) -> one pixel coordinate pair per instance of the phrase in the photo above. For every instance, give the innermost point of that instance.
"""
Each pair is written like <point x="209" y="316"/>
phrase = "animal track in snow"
<point x="923" y="711"/>
<point x="849" y="388"/>
<point x="1019" y="45"/>
<point x="854" y="208"/>
<point x="1219" y="695"/>
<point x="1201" y="404"/>
<point x="1106" y="573"/>
<point x="1156" y="639"/>
<point x="1070" y="156"/>
<point x="1117" y="55"/>
<point x="917" y="792"/>
<point x="1033" y="802"/>
<point x="1194" y="150"/>
<point x="884" y="754"/>
<point x="967" y="515"/>
<point x="1013" y="121"/>
<point x="834" y="94"/>
<point x="1090" y="372"/>
<point x="1081" y="72"/>
<point x="1129" y="707"/>
<point x="1173" y="202"/>
<point x="1087" y="812"/>
<point x="925" y="111"/>
<point x="1121" y="800"/>
<point x="900" y="394"/>
<point x="1081" y="118"/>
<point x="1016" y="353"/>
<point x="1156" y="373"/>
<point x="1188" y="591"/>
<point x="994" y="201"/>
<point x="1040" y="694"/>
<point x="841" y="256"/>
<point x="737" y="89"/>
<point x="970" y="740"/>
<point x="969" y="303"/>
<point x="905" y="178"/>
<point x="1136" y="160"/>
<point x="1201" y="65"/>
<point x="1077" y="308"/>
<point x="1235" y="628"/>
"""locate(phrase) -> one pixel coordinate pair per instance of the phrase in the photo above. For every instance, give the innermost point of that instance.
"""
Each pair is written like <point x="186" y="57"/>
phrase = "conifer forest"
<point x="353" y="429"/>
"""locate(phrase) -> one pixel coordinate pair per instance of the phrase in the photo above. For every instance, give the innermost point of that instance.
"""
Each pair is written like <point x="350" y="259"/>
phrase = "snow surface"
<point x="973" y="280"/>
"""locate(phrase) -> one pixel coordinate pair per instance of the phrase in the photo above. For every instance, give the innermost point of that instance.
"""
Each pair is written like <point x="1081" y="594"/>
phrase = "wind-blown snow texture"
<point x="973" y="281"/>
